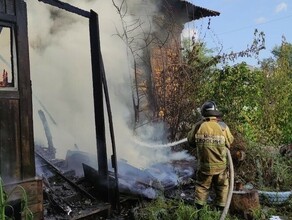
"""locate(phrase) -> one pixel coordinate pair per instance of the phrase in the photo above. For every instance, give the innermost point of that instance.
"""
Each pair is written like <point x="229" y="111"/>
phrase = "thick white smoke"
<point x="61" y="76"/>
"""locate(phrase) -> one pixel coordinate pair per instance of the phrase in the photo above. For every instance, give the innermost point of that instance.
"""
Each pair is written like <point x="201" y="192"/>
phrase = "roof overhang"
<point x="196" y="12"/>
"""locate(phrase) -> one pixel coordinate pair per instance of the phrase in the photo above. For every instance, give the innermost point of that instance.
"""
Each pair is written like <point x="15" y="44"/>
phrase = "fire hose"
<point x="231" y="185"/>
<point x="231" y="172"/>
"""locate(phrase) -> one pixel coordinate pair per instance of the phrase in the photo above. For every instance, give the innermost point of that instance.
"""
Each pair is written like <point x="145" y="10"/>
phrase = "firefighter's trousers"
<point x="220" y="183"/>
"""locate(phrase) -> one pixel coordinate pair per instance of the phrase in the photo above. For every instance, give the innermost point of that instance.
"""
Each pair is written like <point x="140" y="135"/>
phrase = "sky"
<point x="234" y="27"/>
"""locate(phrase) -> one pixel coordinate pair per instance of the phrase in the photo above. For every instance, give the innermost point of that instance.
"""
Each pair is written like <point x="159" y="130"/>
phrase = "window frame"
<point x="13" y="57"/>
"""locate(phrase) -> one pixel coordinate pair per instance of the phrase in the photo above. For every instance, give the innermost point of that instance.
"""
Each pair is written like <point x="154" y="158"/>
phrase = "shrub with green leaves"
<point x="265" y="168"/>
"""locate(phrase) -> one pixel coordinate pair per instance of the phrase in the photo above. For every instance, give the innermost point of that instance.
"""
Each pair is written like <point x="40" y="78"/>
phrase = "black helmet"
<point x="210" y="109"/>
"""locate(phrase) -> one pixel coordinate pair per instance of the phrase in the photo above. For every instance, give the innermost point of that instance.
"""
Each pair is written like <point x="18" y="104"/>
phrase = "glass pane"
<point x="6" y="55"/>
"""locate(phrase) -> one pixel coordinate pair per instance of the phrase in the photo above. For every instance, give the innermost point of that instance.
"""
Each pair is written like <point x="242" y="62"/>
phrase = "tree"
<point x="277" y="114"/>
<point x="168" y="83"/>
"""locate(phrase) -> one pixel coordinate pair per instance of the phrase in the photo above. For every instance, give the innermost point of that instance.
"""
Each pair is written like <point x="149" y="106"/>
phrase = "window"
<point x="8" y="65"/>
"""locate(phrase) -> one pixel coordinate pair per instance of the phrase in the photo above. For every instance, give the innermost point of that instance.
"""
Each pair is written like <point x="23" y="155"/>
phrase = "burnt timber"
<point x="65" y="198"/>
<point x="17" y="150"/>
<point x="17" y="160"/>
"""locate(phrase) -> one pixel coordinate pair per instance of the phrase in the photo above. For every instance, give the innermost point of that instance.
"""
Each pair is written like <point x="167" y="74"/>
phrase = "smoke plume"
<point x="62" y="84"/>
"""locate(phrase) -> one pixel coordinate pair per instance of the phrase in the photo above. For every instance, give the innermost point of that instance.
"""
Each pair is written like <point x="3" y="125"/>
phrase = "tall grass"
<point x="167" y="209"/>
<point x="4" y="202"/>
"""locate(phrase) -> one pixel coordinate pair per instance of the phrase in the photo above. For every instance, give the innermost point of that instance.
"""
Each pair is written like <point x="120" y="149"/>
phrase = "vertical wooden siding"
<point x="7" y="7"/>
<point x="10" y="155"/>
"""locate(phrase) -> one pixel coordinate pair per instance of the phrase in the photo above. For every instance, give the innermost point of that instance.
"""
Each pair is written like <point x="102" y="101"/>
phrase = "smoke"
<point x="61" y="77"/>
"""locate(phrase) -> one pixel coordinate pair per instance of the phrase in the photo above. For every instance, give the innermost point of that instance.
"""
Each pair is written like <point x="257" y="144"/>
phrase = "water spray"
<point x="154" y="145"/>
<point x="231" y="169"/>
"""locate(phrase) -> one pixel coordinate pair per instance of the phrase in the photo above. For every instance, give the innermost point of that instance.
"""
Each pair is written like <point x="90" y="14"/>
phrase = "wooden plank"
<point x="9" y="95"/>
<point x="98" y="95"/>
<point x="67" y="7"/>
<point x="10" y="156"/>
<point x="25" y="94"/>
<point x="8" y="18"/>
<point x="38" y="216"/>
<point x="34" y="192"/>
<point x="2" y="6"/>
<point x="95" y="213"/>
<point x="36" y="208"/>
<point x="10" y="7"/>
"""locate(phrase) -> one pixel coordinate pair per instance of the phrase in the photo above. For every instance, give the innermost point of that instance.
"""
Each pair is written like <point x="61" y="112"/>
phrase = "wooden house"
<point x="17" y="153"/>
<point x="17" y="160"/>
<point x="163" y="52"/>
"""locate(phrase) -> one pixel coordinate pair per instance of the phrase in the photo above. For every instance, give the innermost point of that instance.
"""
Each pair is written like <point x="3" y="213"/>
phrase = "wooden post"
<point x="25" y="94"/>
<point x="244" y="202"/>
<point x="98" y="96"/>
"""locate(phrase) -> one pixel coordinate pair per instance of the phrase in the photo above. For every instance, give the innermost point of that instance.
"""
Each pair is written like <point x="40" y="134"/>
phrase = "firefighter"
<point x="210" y="137"/>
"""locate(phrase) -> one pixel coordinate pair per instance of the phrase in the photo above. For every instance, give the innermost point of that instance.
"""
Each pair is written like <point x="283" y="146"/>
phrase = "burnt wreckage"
<point x="79" y="187"/>
<point x="73" y="187"/>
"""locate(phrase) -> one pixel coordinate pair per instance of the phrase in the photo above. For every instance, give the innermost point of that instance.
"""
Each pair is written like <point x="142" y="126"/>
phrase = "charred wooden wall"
<point x="17" y="161"/>
<point x="16" y="128"/>
<point x="7" y="7"/>
<point x="33" y="189"/>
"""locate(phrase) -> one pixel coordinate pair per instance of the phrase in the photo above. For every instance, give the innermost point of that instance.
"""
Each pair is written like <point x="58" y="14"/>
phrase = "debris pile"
<point x="72" y="190"/>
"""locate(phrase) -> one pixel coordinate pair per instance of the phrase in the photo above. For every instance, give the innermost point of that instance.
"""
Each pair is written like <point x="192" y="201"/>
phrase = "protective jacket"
<point x="210" y="137"/>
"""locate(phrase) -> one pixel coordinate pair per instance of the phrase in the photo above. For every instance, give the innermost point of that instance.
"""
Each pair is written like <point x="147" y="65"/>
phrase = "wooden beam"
<point x="25" y="94"/>
<point x="98" y="94"/>
<point x="67" y="7"/>
<point x="7" y="18"/>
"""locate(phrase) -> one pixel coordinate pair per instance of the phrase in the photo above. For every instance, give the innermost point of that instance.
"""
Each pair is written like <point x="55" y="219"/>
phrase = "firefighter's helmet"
<point x="210" y="109"/>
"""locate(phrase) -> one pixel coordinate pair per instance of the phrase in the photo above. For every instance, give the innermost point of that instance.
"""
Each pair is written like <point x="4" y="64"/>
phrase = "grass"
<point x="264" y="168"/>
<point x="169" y="209"/>
<point x="4" y="202"/>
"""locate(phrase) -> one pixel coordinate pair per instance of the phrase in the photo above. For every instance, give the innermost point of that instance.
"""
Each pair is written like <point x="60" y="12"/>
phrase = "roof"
<point x="185" y="11"/>
<point x="196" y="12"/>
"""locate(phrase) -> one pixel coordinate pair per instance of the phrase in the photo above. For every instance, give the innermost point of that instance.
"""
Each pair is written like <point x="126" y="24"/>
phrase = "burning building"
<point x="157" y="53"/>
<point x="18" y="153"/>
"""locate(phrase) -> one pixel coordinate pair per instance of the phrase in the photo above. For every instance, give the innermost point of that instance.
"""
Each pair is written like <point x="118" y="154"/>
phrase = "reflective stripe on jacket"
<point x="210" y="137"/>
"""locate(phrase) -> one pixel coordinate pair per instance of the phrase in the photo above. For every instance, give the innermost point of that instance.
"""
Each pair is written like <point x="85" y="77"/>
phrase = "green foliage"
<point x="265" y="169"/>
<point x="157" y="209"/>
<point x="253" y="50"/>
<point x="176" y="86"/>
<point x="263" y="213"/>
<point x="277" y="109"/>
<point x="283" y="52"/>
<point x="163" y="208"/>
<point x="185" y="212"/>
<point x="207" y="213"/>
<point x="168" y="209"/>
<point x="255" y="101"/>
<point x="4" y="202"/>
<point x="238" y="91"/>
<point x="26" y="212"/>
